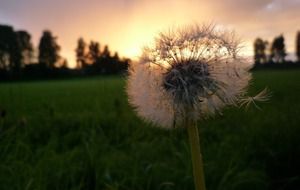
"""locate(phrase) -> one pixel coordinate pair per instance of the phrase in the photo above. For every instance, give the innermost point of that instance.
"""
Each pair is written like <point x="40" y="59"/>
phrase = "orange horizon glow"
<point x="128" y="25"/>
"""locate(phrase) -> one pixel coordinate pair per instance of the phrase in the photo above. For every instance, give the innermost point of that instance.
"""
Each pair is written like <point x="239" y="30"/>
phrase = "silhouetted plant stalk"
<point x="196" y="155"/>
<point x="188" y="75"/>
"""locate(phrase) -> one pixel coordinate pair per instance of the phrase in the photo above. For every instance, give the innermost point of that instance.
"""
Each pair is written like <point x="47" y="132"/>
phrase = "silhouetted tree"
<point x="116" y="56"/>
<point x="96" y="61"/>
<point x="278" y="50"/>
<point x="260" y="51"/>
<point x="106" y="52"/>
<point x="94" y="52"/>
<point x="48" y="50"/>
<point x="81" y="54"/>
<point x="298" y="46"/>
<point x="26" y="47"/>
<point x="64" y="64"/>
<point x="10" y="53"/>
<point x="5" y="32"/>
<point x="105" y="62"/>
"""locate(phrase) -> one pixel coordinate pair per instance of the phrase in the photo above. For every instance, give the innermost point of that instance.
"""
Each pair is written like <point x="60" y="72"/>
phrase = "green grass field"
<point x="82" y="134"/>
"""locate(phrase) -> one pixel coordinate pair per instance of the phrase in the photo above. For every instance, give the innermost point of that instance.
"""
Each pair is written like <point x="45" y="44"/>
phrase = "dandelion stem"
<point x="196" y="155"/>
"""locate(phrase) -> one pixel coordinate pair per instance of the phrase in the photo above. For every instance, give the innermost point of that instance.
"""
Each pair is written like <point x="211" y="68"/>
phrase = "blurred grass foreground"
<point x="82" y="134"/>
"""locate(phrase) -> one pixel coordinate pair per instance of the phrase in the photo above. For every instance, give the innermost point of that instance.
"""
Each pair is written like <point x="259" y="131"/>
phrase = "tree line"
<point x="91" y="58"/>
<point x="19" y="58"/>
<point x="266" y="53"/>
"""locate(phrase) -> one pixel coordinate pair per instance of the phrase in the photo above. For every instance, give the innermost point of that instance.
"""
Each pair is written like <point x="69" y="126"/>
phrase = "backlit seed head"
<point x="188" y="73"/>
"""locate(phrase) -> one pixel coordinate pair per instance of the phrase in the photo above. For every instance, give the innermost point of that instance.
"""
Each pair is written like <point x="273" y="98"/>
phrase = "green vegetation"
<point x="82" y="134"/>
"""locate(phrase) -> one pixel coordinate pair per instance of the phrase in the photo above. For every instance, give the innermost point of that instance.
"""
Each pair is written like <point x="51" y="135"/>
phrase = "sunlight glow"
<point x="127" y="26"/>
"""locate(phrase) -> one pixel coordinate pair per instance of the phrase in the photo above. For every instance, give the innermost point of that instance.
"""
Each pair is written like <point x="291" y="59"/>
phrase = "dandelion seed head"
<point x="188" y="73"/>
<point x="186" y="81"/>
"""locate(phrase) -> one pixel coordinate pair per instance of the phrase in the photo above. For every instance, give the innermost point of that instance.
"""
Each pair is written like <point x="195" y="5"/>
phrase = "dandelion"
<point x="187" y="75"/>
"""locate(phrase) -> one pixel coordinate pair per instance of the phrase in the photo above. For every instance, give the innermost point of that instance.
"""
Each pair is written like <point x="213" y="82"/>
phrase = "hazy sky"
<point x="127" y="25"/>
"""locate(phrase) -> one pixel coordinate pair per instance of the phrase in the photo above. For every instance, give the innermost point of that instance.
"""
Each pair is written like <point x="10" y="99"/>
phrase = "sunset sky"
<point x="127" y="25"/>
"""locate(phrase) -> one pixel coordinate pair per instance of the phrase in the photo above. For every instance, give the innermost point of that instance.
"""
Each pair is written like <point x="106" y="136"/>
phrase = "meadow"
<point x="83" y="134"/>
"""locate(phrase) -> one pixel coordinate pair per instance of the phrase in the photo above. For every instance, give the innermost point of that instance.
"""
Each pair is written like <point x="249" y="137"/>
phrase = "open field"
<point x="82" y="134"/>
